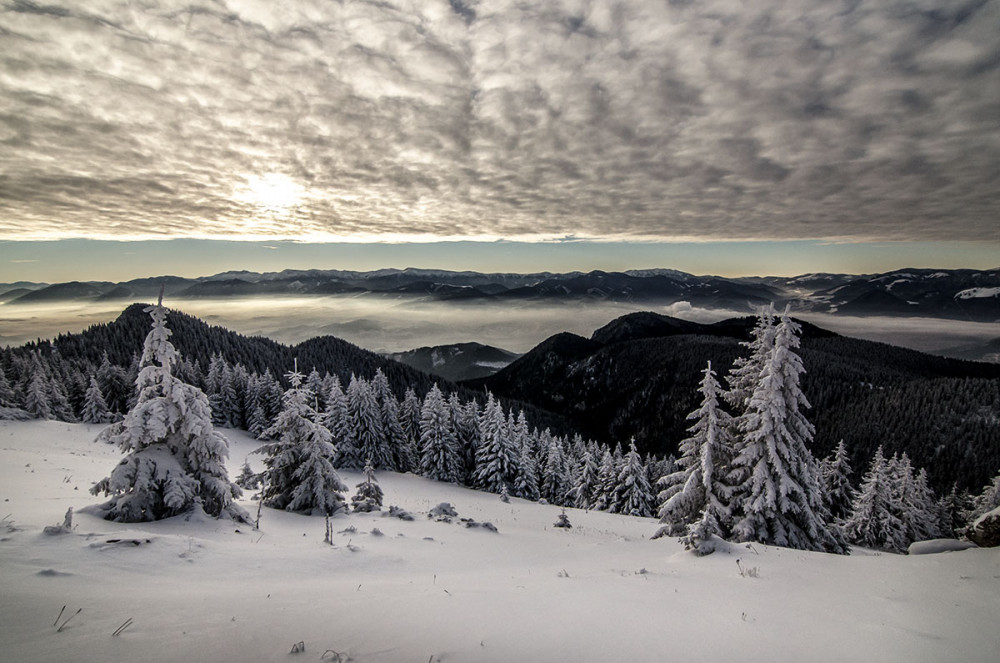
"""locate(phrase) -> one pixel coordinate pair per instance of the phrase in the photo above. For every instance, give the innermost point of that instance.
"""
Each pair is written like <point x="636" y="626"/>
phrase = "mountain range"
<point x="959" y="294"/>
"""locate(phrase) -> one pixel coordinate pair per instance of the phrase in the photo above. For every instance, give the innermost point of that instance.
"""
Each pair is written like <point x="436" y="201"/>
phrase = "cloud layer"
<point x="313" y="119"/>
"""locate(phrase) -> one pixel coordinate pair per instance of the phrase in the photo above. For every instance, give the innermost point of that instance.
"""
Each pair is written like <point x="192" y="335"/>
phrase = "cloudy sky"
<point x="648" y="132"/>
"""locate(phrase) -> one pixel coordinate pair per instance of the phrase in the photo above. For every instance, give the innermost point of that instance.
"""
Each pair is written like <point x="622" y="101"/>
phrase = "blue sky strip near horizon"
<point x="718" y="136"/>
<point x="93" y="260"/>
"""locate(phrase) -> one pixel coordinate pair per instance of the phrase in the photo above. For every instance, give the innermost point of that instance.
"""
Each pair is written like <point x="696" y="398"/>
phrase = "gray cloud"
<point x="715" y="119"/>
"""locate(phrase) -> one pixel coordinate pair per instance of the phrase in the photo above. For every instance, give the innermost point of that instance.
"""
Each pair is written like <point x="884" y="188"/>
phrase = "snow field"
<point x="425" y="590"/>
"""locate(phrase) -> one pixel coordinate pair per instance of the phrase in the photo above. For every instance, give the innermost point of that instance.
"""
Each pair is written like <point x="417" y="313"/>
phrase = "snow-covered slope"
<point x="426" y="590"/>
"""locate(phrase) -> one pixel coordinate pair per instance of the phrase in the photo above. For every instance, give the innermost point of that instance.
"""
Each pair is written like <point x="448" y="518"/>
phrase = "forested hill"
<point x="198" y="341"/>
<point x="636" y="377"/>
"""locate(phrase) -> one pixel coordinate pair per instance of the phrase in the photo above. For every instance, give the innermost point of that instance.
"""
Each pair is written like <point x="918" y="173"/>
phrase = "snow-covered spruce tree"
<point x="781" y="498"/>
<point x="745" y="373"/>
<point x="409" y="417"/>
<point x="257" y="420"/>
<point x="913" y="503"/>
<point x="585" y="483"/>
<point x="364" y="424"/>
<point x="633" y="494"/>
<point x="7" y="396"/>
<point x="496" y="457"/>
<point x="873" y="522"/>
<point x="402" y="455"/>
<point x="95" y="410"/>
<point x="335" y="415"/>
<point x="369" y="495"/>
<point x="607" y="475"/>
<point x="439" y="457"/>
<point x="299" y="474"/>
<point x="36" y="399"/>
<point x="526" y="483"/>
<point x="175" y="459"/>
<point x="699" y="483"/>
<point x="466" y="426"/>
<point x="836" y="471"/>
<point x="248" y="479"/>
<point x="556" y="481"/>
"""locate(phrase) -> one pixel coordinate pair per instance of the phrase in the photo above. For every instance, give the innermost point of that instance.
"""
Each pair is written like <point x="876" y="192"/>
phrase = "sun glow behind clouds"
<point x="271" y="193"/>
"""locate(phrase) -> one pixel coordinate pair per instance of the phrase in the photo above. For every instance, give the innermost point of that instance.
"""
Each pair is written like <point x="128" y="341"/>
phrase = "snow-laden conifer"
<point x="781" y="497"/>
<point x="299" y="474"/>
<point x="699" y="480"/>
<point x="369" y="495"/>
<point x="335" y="414"/>
<point x="257" y="420"/>
<point x="607" y="477"/>
<point x="913" y="499"/>
<point x="439" y="457"/>
<point x="496" y="457"/>
<point x="175" y="459"/>
<point x="526" y="483"/>
<point x="836" y="471"/>
<point x="873" y="522"/>
<point x="555" y="480"/>
<point x="95" y="410"/>
<point x="7" y="396"/>
<point x="633" y="494"/>
<point x="36" y="398"/>
<point x="402" y="455"/>
<point x="585" y="483"/>
<point x="366" y="438"/>
<point x="745" y="373"/>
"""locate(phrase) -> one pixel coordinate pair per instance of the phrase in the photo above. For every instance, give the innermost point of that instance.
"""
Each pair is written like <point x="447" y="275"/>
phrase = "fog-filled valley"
<point x="396" y="323"/>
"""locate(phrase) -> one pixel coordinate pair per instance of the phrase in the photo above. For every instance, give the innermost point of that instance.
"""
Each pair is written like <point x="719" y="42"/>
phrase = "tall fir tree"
<point x="781" y="499"/>
<point x="584" y="483"/>
<point x="607" y="477"/>
<point x="873" y="522"/>
<point x="556" y="482"/>
<point x="95" y="410"/>
<point x="175" y="460"/>
<point x="36" y="398"/>
<point x="699" y="484"/>
<point x="745" y="373"/>
<point x="300" y="476"/>
<point x="439" y="459"/>
<point x="633" y="494"/>
<point x="496" y="458"/>
<point x="7" y="396"/>
<point x="836" y="472"/>
<point x="526" y="483"/>
<point x="364" y="421"/>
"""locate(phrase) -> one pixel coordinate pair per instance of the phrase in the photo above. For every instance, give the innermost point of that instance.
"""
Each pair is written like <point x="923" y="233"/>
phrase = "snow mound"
<point x="935" y="546"/>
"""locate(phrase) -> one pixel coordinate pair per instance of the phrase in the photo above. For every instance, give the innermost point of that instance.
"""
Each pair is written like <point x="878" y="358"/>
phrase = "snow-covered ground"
<point x="434" y="591"/>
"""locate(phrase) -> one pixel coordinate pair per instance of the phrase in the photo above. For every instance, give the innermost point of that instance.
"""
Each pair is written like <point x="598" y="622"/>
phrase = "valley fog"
<point x="395" y="324"/>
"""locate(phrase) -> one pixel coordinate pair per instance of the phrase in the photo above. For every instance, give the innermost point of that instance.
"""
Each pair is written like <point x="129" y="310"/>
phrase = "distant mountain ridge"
<point x="457" y="362"/>
<point x="960" y="294"/>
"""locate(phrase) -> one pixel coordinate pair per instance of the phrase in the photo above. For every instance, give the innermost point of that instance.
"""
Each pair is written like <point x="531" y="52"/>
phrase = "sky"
<point x="719" y="136"/>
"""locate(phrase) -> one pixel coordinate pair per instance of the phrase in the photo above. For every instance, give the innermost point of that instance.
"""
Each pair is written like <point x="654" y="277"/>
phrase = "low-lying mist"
<point x="395" y="324"/>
